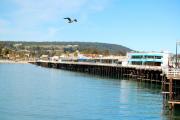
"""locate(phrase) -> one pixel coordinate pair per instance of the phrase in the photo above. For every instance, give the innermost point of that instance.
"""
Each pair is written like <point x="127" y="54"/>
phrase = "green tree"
<point x="106" y="52"/>
<point x="76" y="53"/>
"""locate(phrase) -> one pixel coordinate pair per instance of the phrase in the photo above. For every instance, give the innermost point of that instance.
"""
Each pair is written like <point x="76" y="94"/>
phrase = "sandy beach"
<point x="13" y="62"/>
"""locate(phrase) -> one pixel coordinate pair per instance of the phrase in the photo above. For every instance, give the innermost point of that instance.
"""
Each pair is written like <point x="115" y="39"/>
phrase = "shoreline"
<point x="13" y="62"/>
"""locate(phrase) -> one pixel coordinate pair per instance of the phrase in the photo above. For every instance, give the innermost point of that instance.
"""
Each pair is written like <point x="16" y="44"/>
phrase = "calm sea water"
<point x="29" y="92"/>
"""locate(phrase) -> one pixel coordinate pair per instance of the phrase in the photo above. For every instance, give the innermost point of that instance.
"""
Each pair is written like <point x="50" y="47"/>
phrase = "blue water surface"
<point x="29" y="92"/>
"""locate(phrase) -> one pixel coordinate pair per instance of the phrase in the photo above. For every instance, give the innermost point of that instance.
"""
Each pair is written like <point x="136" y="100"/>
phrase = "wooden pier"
<point x="149" y="74"/>
<point x="170" y="82"/>
<point x="171" y="88"/>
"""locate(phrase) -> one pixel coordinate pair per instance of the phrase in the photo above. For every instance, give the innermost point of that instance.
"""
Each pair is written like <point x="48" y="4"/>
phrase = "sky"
<point x="144" y="25"/>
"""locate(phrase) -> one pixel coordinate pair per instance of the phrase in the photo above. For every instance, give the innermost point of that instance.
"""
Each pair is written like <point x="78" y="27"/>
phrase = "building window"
<point x="158" y="57"/>
<point x="149" y="57"/>
<point x="136" y="57"/>
<point x="152" y="63"/>
<point x="136" y="63"/>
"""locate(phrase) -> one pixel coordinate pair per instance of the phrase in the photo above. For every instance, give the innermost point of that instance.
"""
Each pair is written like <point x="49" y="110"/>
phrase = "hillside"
<point x="84" y="47"/>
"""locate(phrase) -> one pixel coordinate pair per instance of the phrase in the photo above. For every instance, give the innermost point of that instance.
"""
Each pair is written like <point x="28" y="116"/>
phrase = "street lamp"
<point x="177" y="43"/>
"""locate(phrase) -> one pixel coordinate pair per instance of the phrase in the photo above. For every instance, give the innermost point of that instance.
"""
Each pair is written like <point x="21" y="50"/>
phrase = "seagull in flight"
<point x="70" y="20"/>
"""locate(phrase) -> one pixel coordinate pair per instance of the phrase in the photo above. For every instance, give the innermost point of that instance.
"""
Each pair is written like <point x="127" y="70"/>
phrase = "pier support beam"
<point x="171" y="105"/>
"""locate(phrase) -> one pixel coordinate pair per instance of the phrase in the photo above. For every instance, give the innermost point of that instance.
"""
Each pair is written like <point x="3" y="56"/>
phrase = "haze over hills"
<point x="84" y="47"/>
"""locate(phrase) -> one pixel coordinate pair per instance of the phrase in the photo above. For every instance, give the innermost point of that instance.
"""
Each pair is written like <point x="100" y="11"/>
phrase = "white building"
<point x="148" y="58"/>
<point x="54" y="58"/>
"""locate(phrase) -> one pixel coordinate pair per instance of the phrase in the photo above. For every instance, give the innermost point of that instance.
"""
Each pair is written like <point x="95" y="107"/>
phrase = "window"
<point x="158" y="57"/>
<point x="148" y="57"/>
<point x="136" y="57"/>
<point x="136" y="63"/>
<point x="153" y="63"/>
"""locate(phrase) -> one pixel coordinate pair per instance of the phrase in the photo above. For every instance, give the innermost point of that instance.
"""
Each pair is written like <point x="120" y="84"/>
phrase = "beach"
<point x="13" y="62"/>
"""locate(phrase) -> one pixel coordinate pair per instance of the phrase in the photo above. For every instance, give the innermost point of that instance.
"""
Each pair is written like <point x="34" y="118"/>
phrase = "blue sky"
<point x="145" y="25"/>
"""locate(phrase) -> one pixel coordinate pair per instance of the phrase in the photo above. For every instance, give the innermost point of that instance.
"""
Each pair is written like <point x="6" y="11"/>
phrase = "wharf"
<point x="171" y="88"/>
<point x="170" y="81"/>
<point x="146" y="73"/>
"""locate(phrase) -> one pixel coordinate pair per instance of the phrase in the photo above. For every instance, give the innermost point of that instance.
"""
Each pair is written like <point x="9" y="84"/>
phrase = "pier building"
<point x="148" y="58"/>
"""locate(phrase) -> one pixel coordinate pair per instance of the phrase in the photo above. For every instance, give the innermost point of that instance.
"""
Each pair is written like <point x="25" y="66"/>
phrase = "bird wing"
<point x="75" y="20"/>
<point x="69" y="19"/>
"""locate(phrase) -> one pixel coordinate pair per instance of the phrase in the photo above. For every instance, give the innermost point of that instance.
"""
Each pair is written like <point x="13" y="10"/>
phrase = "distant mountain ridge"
<point x="81" y="46"/>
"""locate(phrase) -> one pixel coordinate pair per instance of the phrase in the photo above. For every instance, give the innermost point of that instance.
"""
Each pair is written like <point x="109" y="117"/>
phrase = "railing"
<point x="106" y="64"/>
<point x="173" y="73"/>
<point x="145" y="67"/>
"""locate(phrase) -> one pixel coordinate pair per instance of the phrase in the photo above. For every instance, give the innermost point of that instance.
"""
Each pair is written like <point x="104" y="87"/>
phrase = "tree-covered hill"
<point x="84" y="47"/>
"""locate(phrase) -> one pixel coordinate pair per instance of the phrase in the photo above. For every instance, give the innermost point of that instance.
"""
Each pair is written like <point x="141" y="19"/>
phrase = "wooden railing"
<point x="173" y="73"/>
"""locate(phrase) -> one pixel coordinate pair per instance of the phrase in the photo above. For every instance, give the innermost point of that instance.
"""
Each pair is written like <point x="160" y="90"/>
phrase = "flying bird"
<point x="70" y="20"/>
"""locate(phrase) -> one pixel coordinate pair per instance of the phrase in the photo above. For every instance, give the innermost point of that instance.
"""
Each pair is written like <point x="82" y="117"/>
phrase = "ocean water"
<point x="29" y="92"/>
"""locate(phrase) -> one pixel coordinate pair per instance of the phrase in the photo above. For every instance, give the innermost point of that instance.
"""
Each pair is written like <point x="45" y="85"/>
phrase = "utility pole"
<point x="176" y="55"/>
<point x="177" y="43"/>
